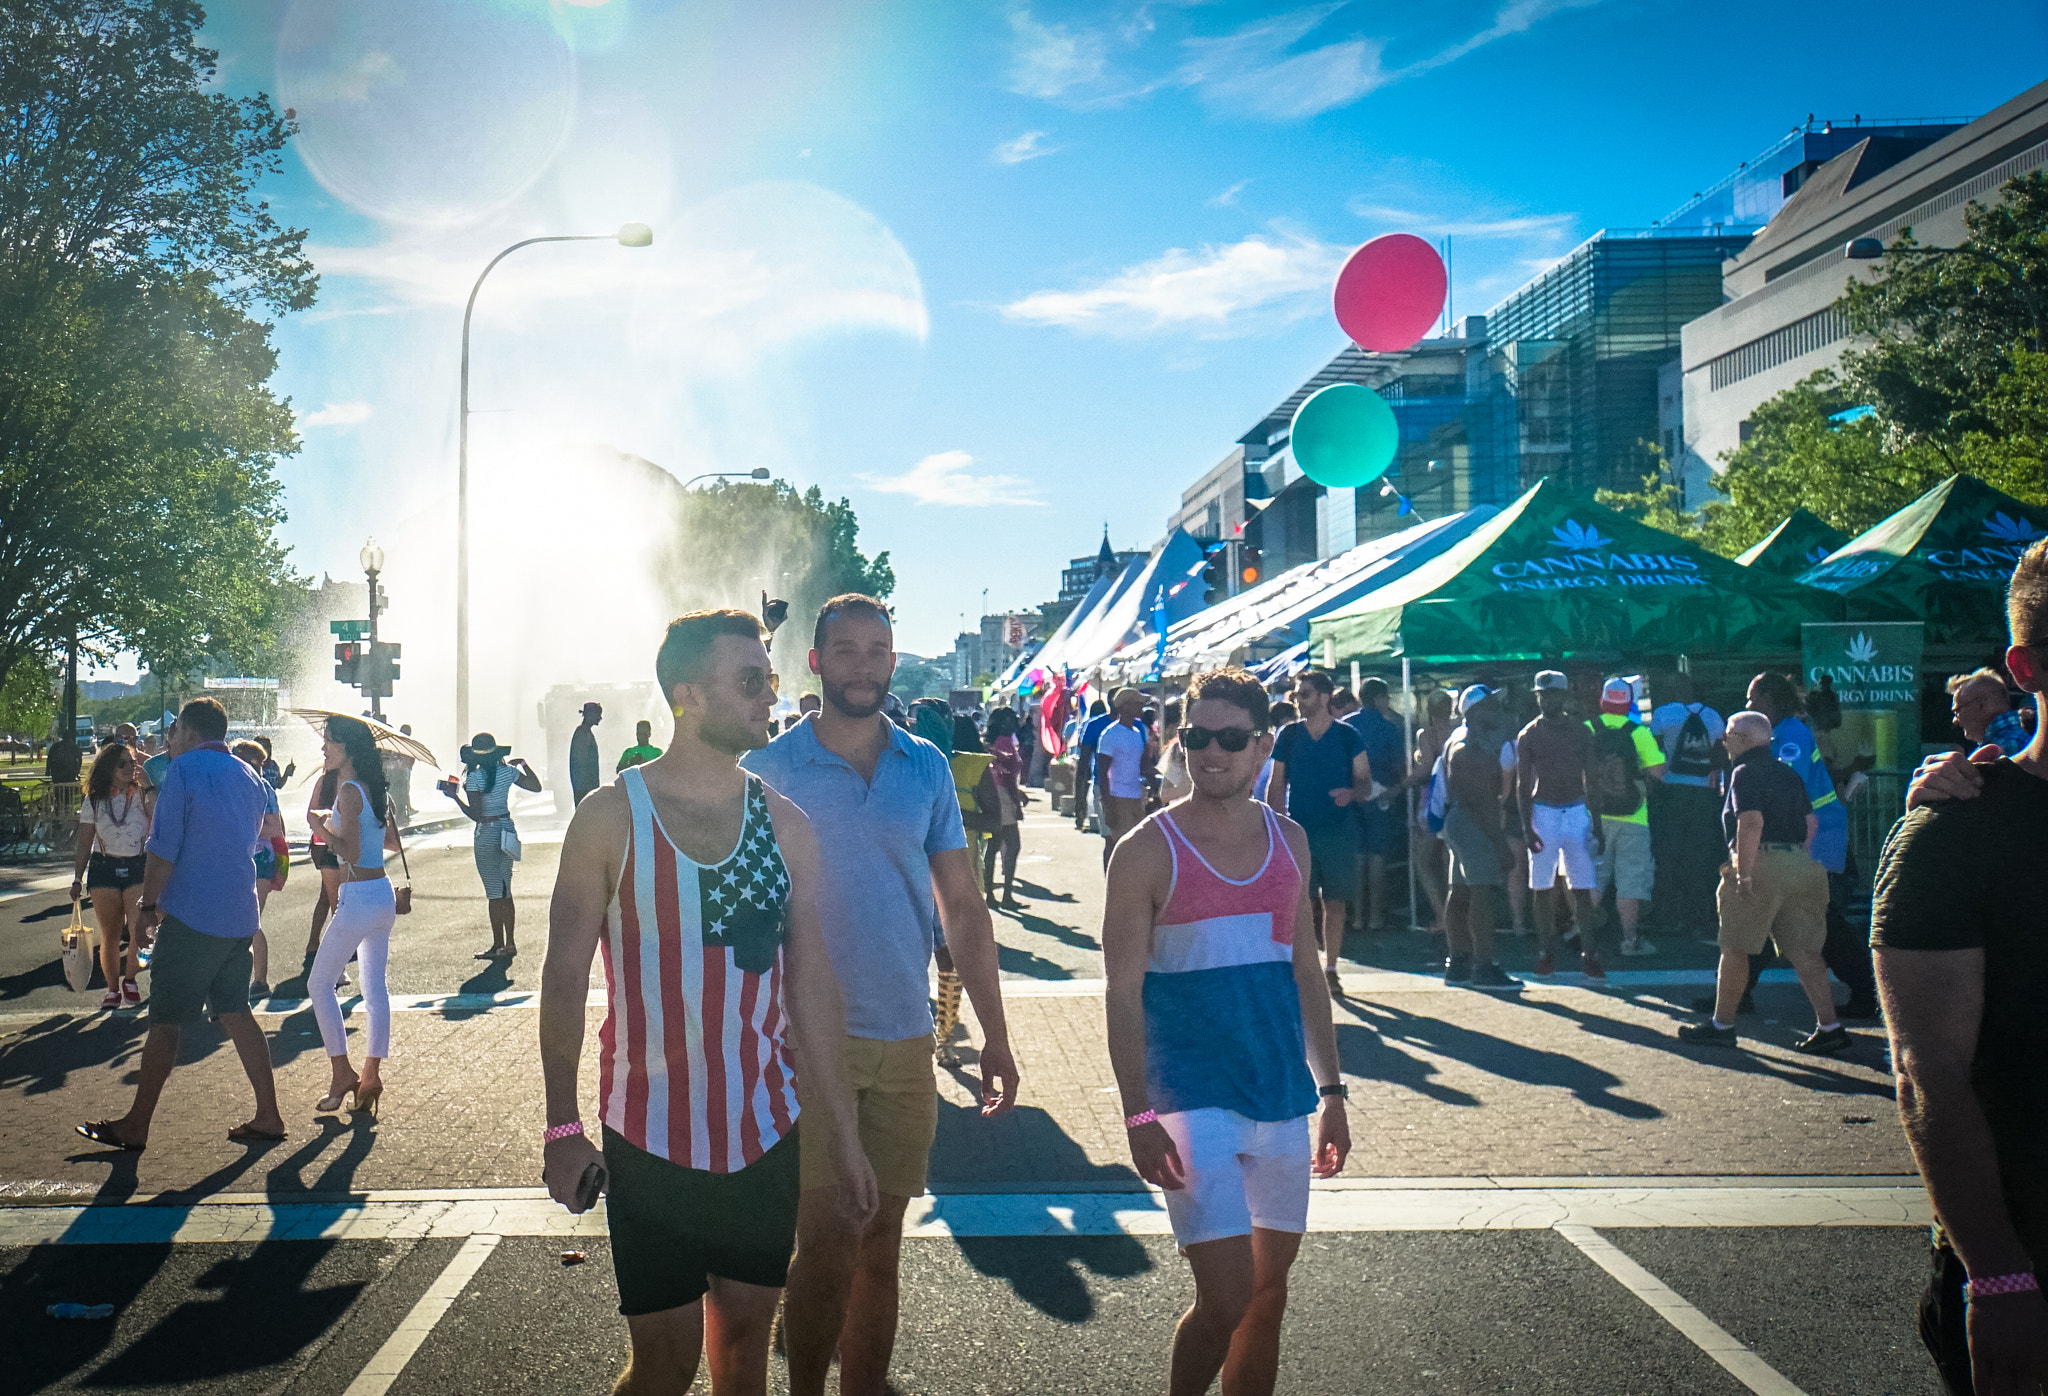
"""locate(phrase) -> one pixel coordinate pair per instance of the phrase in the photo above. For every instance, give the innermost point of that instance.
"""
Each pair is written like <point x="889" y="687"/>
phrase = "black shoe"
<point x="1860" y="1006"/>
<point x="1708" y="1033"/>
<point x="1825" y="1043"/>
<point x="1458" y="971"/>
<point x="1706" y="1004"/>
<point x="1492" y="978"/>
<point x="258" y="991"/>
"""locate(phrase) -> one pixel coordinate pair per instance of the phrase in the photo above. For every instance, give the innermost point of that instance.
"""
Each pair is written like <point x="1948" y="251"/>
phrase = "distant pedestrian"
<point x="807" y="705"/>
<point x="1771" y="889"/>
<point x="490" y="773"/>
<point x="269" y="770"/>
<point x="1174" y="784"/>
<point x="201" y="884"/>
<point x="360" y="829"/>
<point x="159" y="763"/>
<point x="1983" y="709"/>
<point x="1685" y="814"/>
<point x="583" y="776"/>
<point x="1007" y="773"/>
<point x="1552" y="755"/>
<point x="1627" y="764"/>
<point x="1319" y="769"/>
<point x="273" y="861"/>
<point x="643" y="749"/>
<point x="1962" y="967"/>
<point x="1099" y="717"/>
<point x="1279" y="714"/>
<point x="1425" y="847"/>
<point x="108" y="865"/>
<point x="398" y="781"/>
<point x="1475" y="837"/>
<point x="1383" y="818"/>
<point x="63" y="761"/>
<point x="1122" y="752"/>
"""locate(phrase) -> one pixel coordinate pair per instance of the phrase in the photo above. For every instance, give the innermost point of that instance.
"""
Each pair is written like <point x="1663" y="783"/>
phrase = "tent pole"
<point x="1408" y="754"/>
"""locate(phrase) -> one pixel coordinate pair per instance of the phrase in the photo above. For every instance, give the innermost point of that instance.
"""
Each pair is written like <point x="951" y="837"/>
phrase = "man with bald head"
<point x="1983" y="709"/>
<point x="1771" y="888"/>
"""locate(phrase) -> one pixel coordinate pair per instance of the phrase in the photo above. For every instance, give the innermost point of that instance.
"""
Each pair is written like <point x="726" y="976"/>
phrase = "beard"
<point x="731" y="735"/>
<point x="836" y="695"/>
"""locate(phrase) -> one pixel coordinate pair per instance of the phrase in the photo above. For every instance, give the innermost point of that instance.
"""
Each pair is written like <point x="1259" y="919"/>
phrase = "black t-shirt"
<point x="1963" y="875"/>
<point x="1760" y="781"/>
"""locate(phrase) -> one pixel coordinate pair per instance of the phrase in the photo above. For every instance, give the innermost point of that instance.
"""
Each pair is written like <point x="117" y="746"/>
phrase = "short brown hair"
<point x="1235" y="687"/>
<point x="207" y="719"/>
<point x="249" y="751"/>
<point x="687" y="646"/>
<point x="2026" y="599"/>
<point x="851" y="603"/>
<point x="1318" y="680"/>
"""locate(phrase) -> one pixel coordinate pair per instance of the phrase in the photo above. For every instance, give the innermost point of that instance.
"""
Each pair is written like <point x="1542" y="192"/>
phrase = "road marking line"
<point x="376" y="1378"/>
<point x="497" y="1212"/>
<point x="1705" y="1334"/>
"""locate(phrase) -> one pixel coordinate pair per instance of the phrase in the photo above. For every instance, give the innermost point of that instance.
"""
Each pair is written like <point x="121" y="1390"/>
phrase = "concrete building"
<point x="1778" y="324"/>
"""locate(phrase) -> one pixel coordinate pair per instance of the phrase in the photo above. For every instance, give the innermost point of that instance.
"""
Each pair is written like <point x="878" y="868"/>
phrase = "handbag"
<point x="401" y="897"/>
<point x="508" y="839"/>
<point x="77" y="941"/>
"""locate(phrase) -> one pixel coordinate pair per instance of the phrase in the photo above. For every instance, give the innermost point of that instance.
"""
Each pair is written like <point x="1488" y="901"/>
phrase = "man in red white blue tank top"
<point x="1220" y="1035"/>
<point x="699" y="884"/>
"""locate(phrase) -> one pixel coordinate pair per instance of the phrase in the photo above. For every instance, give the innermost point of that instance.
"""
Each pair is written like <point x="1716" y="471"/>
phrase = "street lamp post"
<point x="628" y="235"/>
<point x="759" y="472"/>
<point x="372" y="559"/>
<point x="1870" y="249"/>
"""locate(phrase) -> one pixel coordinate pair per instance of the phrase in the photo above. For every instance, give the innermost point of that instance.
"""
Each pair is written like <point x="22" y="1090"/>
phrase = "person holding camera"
<point x="489" y="774"/>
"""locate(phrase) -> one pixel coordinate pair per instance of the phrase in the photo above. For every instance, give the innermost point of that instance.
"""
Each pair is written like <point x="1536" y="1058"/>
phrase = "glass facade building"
<point x="1758" y="188"/>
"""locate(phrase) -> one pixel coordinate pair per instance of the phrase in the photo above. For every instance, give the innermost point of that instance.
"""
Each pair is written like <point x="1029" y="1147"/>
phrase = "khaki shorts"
<point x="1787" y="902"/>
<point x="896" y="1094"/>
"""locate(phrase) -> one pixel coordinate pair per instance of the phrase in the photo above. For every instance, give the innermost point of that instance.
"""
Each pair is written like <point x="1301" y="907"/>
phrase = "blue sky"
<point x="997" y="273"/>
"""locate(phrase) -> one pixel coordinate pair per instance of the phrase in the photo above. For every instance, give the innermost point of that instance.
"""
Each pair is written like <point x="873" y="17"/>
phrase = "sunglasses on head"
<point x="1231" y="739"/>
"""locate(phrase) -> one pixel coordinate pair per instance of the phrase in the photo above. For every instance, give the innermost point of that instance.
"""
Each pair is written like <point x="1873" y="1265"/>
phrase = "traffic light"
<point x="1250" y="568"/>
<point x="1216" y="574"/>
<point x="348" y="661"/>
<point x="379" y="669"/>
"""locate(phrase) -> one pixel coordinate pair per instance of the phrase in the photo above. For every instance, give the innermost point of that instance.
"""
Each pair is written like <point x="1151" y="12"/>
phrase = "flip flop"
<point x="102" y="1132"/>
<point x="249" y="1134"/>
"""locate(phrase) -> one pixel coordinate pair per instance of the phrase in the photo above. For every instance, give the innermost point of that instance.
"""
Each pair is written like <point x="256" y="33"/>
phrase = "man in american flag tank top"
<point x="700" y="884"/>
<point x="1220" y="1036"/>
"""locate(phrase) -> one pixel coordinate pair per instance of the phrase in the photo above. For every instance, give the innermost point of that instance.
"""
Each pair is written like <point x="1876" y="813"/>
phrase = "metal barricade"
<point x="53" y="816"/>
<point x="1876" y="808"/>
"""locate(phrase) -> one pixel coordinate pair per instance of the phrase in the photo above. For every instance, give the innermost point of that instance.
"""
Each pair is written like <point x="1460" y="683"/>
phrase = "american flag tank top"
<point x="694" y="1063"/>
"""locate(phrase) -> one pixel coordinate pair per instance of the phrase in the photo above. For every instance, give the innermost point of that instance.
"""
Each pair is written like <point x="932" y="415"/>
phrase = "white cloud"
<point x="1214" y="291"/>
<point x="1228" y="198"/>
<point x="1052" y="59"/>
<point x="1252" y="72"/>
<point x="338" y="414"/>
<point x="944" y="479"/>
<point x="1025" y="147"/>
<point x="1541" y="225"/>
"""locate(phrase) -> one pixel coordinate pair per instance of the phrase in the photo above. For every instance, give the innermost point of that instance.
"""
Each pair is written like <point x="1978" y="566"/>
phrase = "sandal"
<point x="328" y="1104"/>
<point x="249" y="1134"/>
<point x="102" y="1132"/>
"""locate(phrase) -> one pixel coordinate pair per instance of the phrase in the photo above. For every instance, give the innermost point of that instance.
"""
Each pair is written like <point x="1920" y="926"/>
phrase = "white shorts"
<point x="1566" y="831"/>
<point x="1238" y="1174"/>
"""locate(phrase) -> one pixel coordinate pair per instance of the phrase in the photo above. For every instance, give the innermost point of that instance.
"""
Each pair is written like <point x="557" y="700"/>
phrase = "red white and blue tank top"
<point x="1222" y="1011"/>
<point x="695" y="1066"/>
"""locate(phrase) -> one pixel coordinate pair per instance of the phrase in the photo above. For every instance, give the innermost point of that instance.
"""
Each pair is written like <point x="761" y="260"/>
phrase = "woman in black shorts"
<point x="113" y="826"/>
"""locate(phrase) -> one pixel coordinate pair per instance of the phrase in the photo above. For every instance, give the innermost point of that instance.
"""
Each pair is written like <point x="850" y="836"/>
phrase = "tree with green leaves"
<point x="138" y="442"/>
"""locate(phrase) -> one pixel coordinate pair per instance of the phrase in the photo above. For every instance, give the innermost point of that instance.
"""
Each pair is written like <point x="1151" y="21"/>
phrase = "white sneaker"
<point x="1637" y="947"/>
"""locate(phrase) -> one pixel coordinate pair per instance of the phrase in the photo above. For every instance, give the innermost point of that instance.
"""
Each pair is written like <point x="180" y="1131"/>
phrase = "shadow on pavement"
<point x="1065" y="935"/>
<point x="1363" y="1053"/>
<point x="1043" y="894"/>
<point x="1529" y="1065"/>
<point x="47" y="975"/>
<point x="1011" y="960"/>
<point x="1045" y="1272"/>
<point x="494" y="978"/>
<point x="43" y="1056"/>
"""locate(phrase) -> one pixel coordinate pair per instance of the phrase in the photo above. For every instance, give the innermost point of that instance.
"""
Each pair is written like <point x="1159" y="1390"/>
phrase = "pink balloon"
<point x="1390" y="292"/>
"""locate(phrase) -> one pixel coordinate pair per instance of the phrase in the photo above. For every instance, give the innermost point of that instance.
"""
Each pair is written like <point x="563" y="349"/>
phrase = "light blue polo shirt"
<point x="876" y="842"/>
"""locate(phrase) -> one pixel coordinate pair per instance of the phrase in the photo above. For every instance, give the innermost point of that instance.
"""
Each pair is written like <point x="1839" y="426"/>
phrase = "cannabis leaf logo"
<point x="1817" y="554"/>
<point x="2010" y="530"/>
<point x="1862" y="649"/>
<point x="1577" y="537"/>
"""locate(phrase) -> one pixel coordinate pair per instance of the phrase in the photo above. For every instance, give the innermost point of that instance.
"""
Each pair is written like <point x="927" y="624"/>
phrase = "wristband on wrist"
<point x="1143" y="1117"/>
<point x="2022" y="1283"/>
<point x="554" y="1132"/>
<point x="1339" y="1090"/>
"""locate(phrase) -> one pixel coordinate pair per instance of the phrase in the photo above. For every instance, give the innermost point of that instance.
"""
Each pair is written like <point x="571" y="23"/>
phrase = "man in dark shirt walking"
<point x="1771" y="889"/>
<point x="1319" y="769"/>
<point x="583" y="777"/>
<point x="1380" y="821"/>
<point x="1962" y="969"/>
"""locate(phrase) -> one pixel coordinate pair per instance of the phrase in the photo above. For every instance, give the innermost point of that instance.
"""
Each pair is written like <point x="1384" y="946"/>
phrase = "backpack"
<point x="1614" y="784"/>
<point x="1692" y="753"/>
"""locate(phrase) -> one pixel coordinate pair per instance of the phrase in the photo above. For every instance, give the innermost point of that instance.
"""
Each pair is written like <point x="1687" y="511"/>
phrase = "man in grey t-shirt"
<point x="893" y="853"/>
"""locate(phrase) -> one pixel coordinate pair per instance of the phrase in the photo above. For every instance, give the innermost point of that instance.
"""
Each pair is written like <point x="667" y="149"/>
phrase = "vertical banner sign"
<point x="1875" y="670"/>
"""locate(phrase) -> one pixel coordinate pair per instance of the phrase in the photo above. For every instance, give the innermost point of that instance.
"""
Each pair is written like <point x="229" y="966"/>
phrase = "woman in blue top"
<point x="490" y="772"/>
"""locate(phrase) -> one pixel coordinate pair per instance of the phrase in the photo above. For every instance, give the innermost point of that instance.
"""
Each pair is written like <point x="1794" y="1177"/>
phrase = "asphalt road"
<point x="1482" y="1312"/>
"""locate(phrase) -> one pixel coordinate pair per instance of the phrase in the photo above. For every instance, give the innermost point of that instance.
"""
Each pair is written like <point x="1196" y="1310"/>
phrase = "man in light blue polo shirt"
<point x="894" y="857"/>
<point x="199" y="892"/>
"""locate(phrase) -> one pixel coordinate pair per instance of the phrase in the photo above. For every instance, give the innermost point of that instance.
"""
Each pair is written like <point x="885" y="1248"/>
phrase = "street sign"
<point x="349" y="629"/>
<point x="241" y="683"/>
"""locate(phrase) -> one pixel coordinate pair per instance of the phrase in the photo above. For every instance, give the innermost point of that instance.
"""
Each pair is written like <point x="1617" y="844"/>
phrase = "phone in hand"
<point x="446" y="787"/>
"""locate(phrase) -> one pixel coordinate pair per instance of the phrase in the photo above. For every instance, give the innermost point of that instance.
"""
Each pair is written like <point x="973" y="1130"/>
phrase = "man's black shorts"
<point x="673" y="1228"/>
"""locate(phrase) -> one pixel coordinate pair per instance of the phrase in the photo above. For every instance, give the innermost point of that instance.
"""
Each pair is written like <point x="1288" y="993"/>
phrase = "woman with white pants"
<point x="359" y="831"/>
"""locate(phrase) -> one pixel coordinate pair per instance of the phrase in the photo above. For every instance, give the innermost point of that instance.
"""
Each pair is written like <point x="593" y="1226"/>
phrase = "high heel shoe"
<point x="328" y="1104"/>
<point x="366" y="1101"/>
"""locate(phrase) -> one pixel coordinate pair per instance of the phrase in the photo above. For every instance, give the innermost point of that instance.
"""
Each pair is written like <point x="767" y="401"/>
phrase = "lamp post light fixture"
<point x="1871" y="249"/>
<point x="759" y="472"/>
<point x="372" y="559"/>
<point x="628" y="235"/>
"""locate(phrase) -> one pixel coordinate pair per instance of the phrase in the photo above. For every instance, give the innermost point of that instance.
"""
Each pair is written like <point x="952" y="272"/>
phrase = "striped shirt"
<point x="1222" y="1012"/>
<point x="694" y="1066"/>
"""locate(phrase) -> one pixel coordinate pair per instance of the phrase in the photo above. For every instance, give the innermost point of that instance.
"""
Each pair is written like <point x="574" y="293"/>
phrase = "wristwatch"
<point x="1339" y="1090"/>
<point x="145" y="906"/>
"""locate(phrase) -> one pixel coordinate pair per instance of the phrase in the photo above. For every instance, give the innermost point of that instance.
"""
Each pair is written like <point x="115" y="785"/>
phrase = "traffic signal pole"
<point x="376" y="703"/>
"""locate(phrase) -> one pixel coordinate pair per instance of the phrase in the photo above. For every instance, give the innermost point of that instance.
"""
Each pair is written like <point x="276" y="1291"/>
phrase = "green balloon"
<point x="1344" y="436"/>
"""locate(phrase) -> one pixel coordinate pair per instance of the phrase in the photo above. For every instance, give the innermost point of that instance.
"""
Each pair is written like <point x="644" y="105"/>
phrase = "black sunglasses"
<point x="1231" y="739"/>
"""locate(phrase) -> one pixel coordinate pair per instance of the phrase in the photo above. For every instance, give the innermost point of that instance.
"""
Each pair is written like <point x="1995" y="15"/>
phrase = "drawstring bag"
<point x="77" y="941"/>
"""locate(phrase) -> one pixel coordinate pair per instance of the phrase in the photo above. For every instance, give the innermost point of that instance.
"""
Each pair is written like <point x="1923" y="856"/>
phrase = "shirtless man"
<point x="1552" y="755"/>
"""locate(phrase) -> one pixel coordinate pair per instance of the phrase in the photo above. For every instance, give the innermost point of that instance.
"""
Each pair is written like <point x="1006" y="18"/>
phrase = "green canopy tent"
<point x="1554" y="577"/>
<point x="1944" y="559"/>
<point x="1803" y="540"/>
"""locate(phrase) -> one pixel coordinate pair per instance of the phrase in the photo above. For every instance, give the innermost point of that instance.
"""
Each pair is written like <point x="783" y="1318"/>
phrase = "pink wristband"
<point x="2001" y="1284"/>
<point x="554" y="1132"/>
<point x="1143" y="1117"/>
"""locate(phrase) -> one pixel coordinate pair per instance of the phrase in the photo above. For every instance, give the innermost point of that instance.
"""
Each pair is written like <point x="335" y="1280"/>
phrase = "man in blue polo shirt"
<point x="200" y="888"/>
<point x="893" y="852"/>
